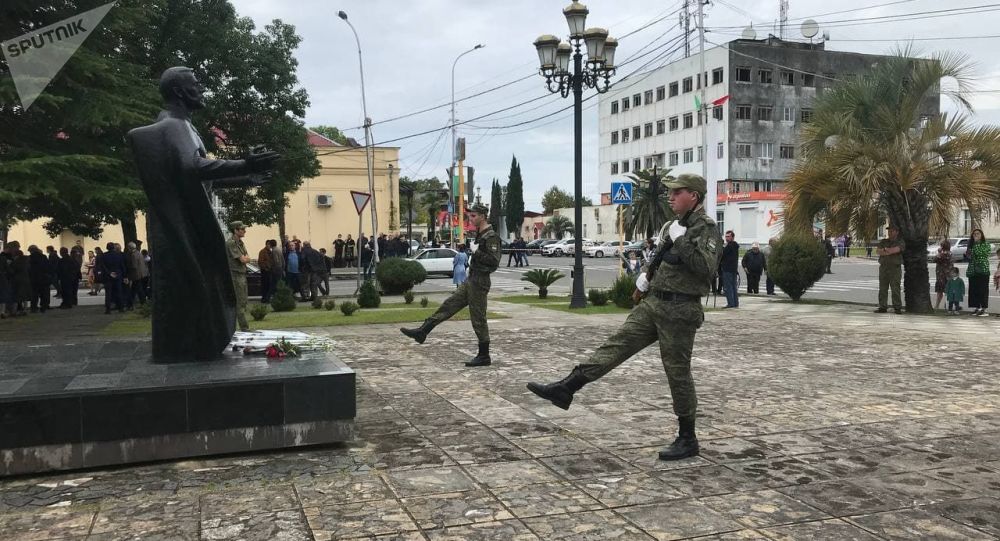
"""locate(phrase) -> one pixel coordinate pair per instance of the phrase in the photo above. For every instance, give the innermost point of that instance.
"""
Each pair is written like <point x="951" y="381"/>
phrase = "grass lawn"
<point x="561" y="303"/>
<point x="304" y="316"/>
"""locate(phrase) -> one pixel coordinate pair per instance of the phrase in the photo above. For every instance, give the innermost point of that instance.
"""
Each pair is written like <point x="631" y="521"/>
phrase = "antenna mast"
<point x="782" y="17"/>
<point x="685" y="23"/>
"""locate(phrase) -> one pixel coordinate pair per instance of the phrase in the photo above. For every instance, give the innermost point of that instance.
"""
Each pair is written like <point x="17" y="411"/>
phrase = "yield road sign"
<point x="360" y="200"/>
<point x="621" y="193"/>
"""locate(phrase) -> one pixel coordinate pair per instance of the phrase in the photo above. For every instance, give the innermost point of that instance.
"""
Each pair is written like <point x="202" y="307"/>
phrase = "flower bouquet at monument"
<point x="279" y="344"/>
<point x="281" y="349"/>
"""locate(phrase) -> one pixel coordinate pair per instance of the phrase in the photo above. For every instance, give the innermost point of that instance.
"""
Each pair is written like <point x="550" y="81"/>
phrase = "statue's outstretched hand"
<point x="260" y="162"/>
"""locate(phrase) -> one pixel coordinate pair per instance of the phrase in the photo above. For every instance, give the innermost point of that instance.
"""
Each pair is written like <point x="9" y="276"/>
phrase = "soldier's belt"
<point x="678" y="297"/>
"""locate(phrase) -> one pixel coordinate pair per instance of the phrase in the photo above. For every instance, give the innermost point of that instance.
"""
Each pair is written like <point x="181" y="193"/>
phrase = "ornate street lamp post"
<point x="554" y="56"/>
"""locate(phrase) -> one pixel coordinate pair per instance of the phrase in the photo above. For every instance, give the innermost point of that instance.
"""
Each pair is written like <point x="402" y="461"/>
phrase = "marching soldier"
<point x="472" y="293"/>
<point x="236" y="251"/>
<point x="668" y="295"/>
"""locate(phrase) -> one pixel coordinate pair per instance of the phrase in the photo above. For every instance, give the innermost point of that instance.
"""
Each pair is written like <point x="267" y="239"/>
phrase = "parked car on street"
<point x="436" y="260"/>
<point x="571" y="247"/>
<point x="562" y="247"/>
<point x="606" y="249"/>
<point x="959" y="249"/>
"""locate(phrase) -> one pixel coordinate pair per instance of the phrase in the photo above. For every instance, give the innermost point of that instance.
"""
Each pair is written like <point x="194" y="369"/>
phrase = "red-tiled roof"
<point x="318" y="140"/>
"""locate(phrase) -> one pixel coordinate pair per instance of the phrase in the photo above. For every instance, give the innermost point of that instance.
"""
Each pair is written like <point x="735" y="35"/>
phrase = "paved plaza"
<point x="816" y="423"/>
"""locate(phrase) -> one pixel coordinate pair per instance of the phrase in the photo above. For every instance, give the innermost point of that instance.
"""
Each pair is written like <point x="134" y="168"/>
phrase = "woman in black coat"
<point x="69" y="278"/>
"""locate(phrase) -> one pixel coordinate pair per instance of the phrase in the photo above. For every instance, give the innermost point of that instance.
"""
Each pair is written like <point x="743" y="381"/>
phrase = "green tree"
<point x="650" y="202"/>
<point x="558" y="226"/>
<point x="433" y="201"/>
<point x="496" y="205"/>
<point x="332" y="133"/>
<point x="870" y="154"/>
<point x="555" y="198"/>
<point x="514" y="204"/>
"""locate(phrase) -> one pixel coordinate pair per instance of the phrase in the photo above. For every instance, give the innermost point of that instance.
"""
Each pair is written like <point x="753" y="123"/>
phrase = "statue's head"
<point x="181" y="85"/>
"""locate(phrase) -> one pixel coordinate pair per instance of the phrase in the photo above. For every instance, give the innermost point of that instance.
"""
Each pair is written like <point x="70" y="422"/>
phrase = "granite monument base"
<point x="90" y="405"/>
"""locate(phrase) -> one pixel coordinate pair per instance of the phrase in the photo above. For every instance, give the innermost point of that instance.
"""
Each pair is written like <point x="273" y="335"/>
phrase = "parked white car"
<point x="959" y="249"/>
<point x="436" y="260"/>
<point x="563" y="247"/>
<point x="571" y="248"/>
<point x="607" y="249"/>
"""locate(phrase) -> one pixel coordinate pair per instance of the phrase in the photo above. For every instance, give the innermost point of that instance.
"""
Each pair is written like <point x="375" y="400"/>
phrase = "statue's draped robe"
<point x="194" y="308"/>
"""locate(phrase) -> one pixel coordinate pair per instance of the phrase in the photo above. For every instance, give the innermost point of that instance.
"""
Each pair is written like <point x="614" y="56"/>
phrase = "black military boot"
<point x="561" y="392"/>
<point x="482" y="358"/>
<point x="686" y="444"/>
<point x="420" y="333"/>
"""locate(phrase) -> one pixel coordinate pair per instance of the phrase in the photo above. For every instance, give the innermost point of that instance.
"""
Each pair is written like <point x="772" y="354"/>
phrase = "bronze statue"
<point x="194" y="313"/>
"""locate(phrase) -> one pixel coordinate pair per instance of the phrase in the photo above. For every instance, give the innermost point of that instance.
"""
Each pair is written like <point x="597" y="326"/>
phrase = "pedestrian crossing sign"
<point x="621" y="193"/>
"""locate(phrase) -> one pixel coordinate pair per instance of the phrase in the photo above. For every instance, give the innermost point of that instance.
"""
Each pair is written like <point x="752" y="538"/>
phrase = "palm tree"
<point x="650" y="207"/>
<point x="869" y="154"/>
<point x="433" y="201"/>
<point x="558" y="226"/>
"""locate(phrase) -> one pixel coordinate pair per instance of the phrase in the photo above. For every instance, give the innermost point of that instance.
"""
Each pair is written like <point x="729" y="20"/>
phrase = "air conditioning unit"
<point x="766" y="162"/>
<point x="324" y="200"/>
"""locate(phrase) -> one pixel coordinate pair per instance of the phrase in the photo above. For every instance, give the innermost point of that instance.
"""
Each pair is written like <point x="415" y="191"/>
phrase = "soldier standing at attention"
<point x="668" y="298"/>
<point x="236" y="251"/>
<point x="472" y="293"/>
<point x="890" y="271"/>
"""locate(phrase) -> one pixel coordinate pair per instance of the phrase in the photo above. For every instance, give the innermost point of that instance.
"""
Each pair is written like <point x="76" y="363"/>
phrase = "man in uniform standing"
<point x="669" y="291"/>
<point x="236" y="251"/>
<point x="890" y="271"/>
<point x="472" y="293"/>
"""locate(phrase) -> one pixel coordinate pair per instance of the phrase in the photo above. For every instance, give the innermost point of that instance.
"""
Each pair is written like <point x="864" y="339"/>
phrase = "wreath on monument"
<point x="281" y="349"/>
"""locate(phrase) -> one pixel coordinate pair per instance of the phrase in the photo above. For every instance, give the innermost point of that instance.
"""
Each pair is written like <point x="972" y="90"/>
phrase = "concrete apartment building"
<point x="764" y="91"/>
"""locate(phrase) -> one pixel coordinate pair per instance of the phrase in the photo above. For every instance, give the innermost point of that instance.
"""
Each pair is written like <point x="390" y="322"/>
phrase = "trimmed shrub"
<point x="542" y="278"/>
<point x="283" y="300"/>
<point x="259" y="311"/>
<point x="597" y="297"/>
<point x="145" y="309"/>
<point x="317" y="303"/>
<point x="349" y="307"/>
<point x="797" y="262"/>
<point x="621" y="291"/>
<point x="330" y="304"/>
<point x="408" y="297"/>
<point x="368" y="297"/>
<point x="397" y="275"/>
<point x="424" y="301"/>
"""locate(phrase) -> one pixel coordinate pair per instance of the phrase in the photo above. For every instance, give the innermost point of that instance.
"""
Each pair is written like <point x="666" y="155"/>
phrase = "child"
<point x="955" y="291"/>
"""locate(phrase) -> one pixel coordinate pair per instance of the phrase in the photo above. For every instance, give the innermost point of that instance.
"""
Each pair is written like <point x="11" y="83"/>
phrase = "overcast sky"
<point x="409" y="48"/>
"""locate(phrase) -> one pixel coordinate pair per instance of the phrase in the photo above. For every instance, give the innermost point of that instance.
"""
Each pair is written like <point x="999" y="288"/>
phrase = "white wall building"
<point x="600" y="222"/>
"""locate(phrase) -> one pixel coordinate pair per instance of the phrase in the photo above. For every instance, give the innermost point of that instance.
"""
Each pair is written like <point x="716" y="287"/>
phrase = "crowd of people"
<point x="949" y="286"/>
<point x="27" y="280"/>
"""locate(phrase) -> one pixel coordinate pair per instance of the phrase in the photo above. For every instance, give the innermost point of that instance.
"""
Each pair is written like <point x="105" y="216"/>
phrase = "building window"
<point x="720" y="150"/>
<point x="762" y="186"/>
<point x="735" y="187"/>
<point x="625" y="166"/>
<point x="717" y="76"/>
<point x="701" y="153"/>
<point x="673" y="158"/>
<point x="636" y="164"/>
<point x="584" y="230"/>
<point x="688" y="120"/>
<point x="687" y="85"/>
<point x="673" y="123"/>
<point x="649" y="97"/>
<point x="743" y="150"/>
<point x="658" y="159"/>
<point x="661" y="93"/>
<point x="743" y="112"/>
<point x="788" y="114"/>
<point x="647" y="130"/>
<point x="808" y="79"/>
<point x="636" y="100"/>
<point x="625" y="133"/>
<point x="688" y="155"/>
<point x="649" y="162"/>
<point x="765" y="112"/>
<point x="807" y="116"/>
<point x="765" y="76"/>
<point x="625" y="104"/>
<point x="966" y="222"/>
<point x="614" y="138"/>
<point x="787" y="78"/>
<point x="661" y="126"/>
<point x="743" y="74"/>
<point x="636" y="133"/>
<point x="614" y="168"/>
<point x="614" y="107"/>
<point x="766" y="151"/>
<point x="720" y="220"/>
<point x="787" y="152"/>
<point x="717" y="112"/>
<point x="699" y="114"/>
<point x="673" y="89"/>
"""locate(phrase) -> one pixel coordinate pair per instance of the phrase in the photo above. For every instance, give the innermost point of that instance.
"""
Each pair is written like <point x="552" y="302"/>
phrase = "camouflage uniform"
<point x="235" y="249"/>
<point x="473" y="292"/>
<point x="890" y="273"/>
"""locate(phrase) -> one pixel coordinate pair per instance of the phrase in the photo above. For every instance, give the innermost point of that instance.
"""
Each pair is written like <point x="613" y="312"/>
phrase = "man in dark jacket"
<point x="730" y="268"/>
<point x="69" y="278"/>
<point x="313" y="266"/>
<point x="40" y="270"/>
<point x="112" y="268"/>
<point x="53" y="265"/>
<point x="754" y="264"/>
<point x="831" y="251"/>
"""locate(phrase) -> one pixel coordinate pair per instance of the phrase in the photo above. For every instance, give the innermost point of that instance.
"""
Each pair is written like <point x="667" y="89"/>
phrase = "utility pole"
<point x="685" y="23"/>
<point x="782" y="18"/>
<point x="460" y="150"/>
<point x="709" y="202"/>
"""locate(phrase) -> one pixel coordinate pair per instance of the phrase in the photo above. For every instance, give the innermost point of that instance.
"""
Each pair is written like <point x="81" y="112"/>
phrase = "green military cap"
<point x="480" y="208"/>
<point x="233" y="226"/>
<point x="692" y="182"/>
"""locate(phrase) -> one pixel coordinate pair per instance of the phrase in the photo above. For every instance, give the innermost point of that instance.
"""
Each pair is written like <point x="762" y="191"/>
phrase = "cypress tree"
<point x="496" y="205"/>
<point x="515" y="199"/>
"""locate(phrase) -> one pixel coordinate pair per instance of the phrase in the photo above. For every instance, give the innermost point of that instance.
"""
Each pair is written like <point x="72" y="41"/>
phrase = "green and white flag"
<point x="697" y="103"/>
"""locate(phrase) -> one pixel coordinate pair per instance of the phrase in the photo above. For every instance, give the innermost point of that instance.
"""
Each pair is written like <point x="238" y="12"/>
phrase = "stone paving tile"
<point x="706" y="480"/>
<point x="778" y="472"/>
<point x="532" y="429"/>
<point x="971" y="477"/>
<point x="846" y="464"/>
<point x="586" y="526"/>
<point x="587" y="465"/>
<point x="554" y="445"/>
<point x="910" y="524"/>
<point x="520" y="472"/>
<point x="486" y="446"/>
<point x="426" y="481"/>
<point x="647" y="459"/>
<point x="763" y="508"/>
<point x="734" y="450"/>
<point x="678" y="519"/>
<point x="505" y="530"/>
<point x="455" y="509"/>
<point x="355" y="520"/>
<point x="980" y="513"/>
<point x="284" y="525"/>
<point x="632" y="489"/>
<point x="741" y="535"/>
<point x="46" y="524"/>
<point x="527" y="501"/>
<point x="917" y="488"/>
<point x="841" y="497"/>
<point x="826" y="530"/>
<point x="243" y="502"/>
<point x="136" y="516"/>
<point x="339" y="488"/>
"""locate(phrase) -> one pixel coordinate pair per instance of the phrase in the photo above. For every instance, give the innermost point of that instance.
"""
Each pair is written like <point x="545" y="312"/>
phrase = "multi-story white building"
<point x="763" y="91"/>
